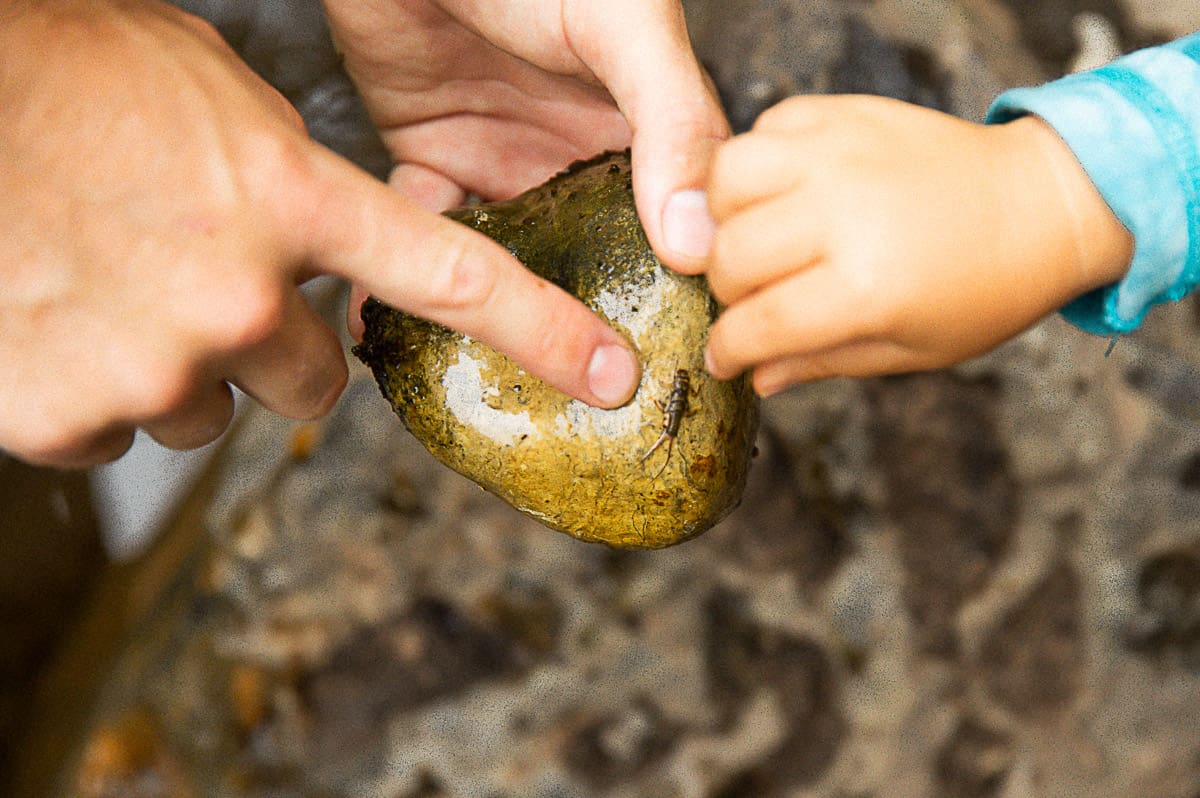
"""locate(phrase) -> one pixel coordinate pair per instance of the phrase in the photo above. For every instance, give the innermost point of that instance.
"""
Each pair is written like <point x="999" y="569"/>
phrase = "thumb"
<point x="428" y="265"/>
<point x="640" y="50"/>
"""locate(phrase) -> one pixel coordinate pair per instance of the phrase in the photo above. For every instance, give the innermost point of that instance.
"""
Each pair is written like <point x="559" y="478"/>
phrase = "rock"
<point x="575" y="468"/>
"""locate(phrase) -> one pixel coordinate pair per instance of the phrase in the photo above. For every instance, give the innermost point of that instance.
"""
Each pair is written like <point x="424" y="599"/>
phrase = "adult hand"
<point x="162" y="203"/>
<point x="860" y="236"/>
<point x="493" y="96"/>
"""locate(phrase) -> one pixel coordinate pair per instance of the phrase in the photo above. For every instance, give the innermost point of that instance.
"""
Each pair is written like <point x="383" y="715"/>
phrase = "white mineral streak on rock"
<point x="616" y="302"/>
<point x="579" y="419"/>
<point x="463" y="382"/>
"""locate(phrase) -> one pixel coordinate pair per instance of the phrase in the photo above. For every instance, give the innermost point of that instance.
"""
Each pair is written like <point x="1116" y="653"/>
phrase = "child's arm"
<point x="1134" y="125"/>
<point x="861" y="236"/>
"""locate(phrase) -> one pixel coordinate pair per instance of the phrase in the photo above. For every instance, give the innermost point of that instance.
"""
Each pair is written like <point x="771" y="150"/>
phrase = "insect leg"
<point x="657" y="443"/>
<point x="667" y="459"/>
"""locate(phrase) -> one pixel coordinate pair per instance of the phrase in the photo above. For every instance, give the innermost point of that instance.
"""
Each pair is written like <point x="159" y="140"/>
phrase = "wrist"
<point x="1089" y="246"/>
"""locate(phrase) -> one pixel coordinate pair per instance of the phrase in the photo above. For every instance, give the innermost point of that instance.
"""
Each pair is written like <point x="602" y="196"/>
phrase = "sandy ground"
<point x="983" y="582"/>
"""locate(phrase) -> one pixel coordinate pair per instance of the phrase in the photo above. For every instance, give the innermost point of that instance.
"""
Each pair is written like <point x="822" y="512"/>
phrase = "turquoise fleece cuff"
<point x="1134" y="125"/>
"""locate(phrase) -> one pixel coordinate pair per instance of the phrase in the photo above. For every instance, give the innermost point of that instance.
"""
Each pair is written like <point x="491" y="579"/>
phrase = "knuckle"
<point x="183" y="437"/>
<point x="687" y="121"/>
<point x="161" y="392"/>
<point x="817" y="366"/>
<point x="278" y="165"/>
<point x="866" y="289"/>
<point x="554" y="333"/>
<point x="790" y="114"/>
<point x="207" y="31"/>
<point x="463" y="281"/>
<point x="202" y="27"/>
<point x="771" y="118"/>
<point x="108" y="446"/>
<point x="78" y="432"/>
<point x="314" y="376"/>
<point x="861" y="280"/>
<point x="772" y="320"/>
<point x="41" y="444"/>
<point x="254" y="316"/>
<point x="68" y="447"/>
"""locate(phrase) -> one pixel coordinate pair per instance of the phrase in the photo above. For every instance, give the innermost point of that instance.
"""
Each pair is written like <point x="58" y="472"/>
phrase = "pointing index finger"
<point x="436" y="268"/>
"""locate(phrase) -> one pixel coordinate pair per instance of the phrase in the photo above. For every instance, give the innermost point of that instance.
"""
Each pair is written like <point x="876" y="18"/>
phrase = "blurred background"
<point x="978" y="582"/>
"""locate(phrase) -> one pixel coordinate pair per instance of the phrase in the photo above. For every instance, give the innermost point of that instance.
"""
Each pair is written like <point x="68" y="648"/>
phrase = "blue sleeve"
<point x="1134" y="125"/>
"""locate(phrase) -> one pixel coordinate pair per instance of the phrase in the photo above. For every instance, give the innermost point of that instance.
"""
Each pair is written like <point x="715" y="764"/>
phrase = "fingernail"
<point x="687" y="225"/>
<point x="612" y="374"/>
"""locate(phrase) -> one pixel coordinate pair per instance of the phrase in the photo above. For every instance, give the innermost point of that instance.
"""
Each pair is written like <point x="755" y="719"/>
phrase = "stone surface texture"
<point x="977" y="583"/>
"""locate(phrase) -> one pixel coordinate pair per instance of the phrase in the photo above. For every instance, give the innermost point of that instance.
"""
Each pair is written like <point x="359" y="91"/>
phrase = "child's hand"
<point x="860" y="236"/>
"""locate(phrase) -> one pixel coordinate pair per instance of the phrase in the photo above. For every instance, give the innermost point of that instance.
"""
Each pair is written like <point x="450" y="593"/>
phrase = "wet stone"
<point x="581" y="470"/>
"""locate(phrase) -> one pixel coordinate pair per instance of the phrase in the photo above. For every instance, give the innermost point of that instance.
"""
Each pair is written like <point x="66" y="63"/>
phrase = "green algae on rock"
<point x="576" y="468"/>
